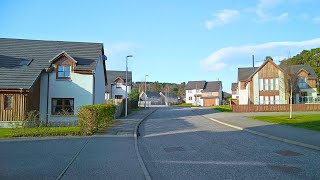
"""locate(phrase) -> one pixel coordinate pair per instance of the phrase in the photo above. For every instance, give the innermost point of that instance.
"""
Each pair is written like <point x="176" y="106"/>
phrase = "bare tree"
<point x="291" y="84"/>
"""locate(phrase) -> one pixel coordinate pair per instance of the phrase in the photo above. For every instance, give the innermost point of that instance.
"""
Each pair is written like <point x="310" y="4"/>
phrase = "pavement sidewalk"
<point x="126" y="126"/>
<point x="282" y="131"/>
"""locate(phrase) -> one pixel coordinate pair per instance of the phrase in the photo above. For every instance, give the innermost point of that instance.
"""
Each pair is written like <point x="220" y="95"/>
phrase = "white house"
<point x="203" y="93"/>
<point x="54" y="77"/>
<point x="116" y="87"/>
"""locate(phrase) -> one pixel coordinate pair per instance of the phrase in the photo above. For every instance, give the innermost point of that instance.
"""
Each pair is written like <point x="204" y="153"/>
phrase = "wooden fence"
<point x="275" y="108"/>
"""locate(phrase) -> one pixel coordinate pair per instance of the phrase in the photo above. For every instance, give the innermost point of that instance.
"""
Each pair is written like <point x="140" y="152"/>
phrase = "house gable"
<point x="63" y="59"/>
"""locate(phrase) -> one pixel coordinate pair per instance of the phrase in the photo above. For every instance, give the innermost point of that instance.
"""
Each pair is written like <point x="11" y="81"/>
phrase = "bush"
<point x="92" y="117"/>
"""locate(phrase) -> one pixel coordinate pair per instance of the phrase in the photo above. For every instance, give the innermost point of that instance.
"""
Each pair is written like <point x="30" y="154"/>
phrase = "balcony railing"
<point x="309" y="99"/>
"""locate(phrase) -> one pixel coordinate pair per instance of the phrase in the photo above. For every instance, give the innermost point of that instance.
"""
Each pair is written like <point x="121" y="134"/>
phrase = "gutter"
<point x="94" y="88"/>
<point x="47" y="112"/>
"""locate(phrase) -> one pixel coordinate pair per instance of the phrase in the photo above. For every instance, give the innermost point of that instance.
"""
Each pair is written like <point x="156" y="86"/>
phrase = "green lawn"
<point x="185" y="105"/>
<point x="306" y="121"/>
<point x="41" y="131"/>
<point x="223" y="108"/>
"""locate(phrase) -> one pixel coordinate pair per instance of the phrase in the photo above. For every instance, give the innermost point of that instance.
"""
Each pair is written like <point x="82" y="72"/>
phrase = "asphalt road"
<point x="176" y="143"/>
<point x="104" y="157"/>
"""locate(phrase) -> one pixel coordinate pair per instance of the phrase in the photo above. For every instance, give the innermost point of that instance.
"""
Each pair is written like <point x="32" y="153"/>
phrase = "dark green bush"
<point x="92" y="117"/>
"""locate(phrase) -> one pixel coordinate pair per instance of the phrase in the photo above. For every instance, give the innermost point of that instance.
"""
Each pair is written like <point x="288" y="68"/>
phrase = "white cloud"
<point x="241" y="55"/>
<point x="120" y="48"/>
<point x="222" y="17"/>
<point x="316" y="20"/>
<point x="263" y="8"/>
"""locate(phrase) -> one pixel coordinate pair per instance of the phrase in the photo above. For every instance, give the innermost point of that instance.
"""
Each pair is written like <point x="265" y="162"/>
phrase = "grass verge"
<point x="185" y="105"/>
<point x="39" y="131"/>
<point x="223" y="108"/>
<point x="306" y="121"/>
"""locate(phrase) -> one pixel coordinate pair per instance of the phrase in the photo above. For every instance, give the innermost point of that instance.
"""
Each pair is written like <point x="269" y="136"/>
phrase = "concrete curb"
<point x="141" y="162"/>
<point x="313" y="147"/>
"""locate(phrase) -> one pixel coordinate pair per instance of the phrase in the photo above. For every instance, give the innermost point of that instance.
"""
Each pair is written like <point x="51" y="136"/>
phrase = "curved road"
<point x="176" y="143"/>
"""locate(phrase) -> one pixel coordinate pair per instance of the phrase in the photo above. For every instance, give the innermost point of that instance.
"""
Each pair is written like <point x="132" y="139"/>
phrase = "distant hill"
<point x="178" y="89"/>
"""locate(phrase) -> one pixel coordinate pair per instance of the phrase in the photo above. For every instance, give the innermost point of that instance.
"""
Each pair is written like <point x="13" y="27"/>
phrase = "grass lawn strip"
<point x="40" y="131"/>
<point x="306" y="121"/>
<point x="223" y="108"/>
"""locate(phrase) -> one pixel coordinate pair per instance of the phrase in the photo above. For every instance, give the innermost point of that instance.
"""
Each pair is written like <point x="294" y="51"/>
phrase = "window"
<point x="118" y="85"/>
<point x="271" y="86"/>
<point x="266" y="84"/>
<point x="261" y="100"/>
<point x="62" y="106"/>
<point x="63" y="72"/>
<point x="277" y="99"/>
<point x="302" y="82"/>
<point x="271" y="99"/>
<point x="189" y="91"/>
<point x="190" y="98"/>
<point x="25" y="62"/>
<point x="198" y="91"/>
<point x="266" y="100"/>
<point x="118" y="96"/>
<point x="7" y="102"/>
<point x="260" y="84"/>
<point x="276" y="83"/>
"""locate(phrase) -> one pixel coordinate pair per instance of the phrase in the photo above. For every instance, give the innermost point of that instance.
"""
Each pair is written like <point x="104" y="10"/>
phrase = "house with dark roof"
<point x="234" y="91"/>
<point x="204" y="93"/>
<point x="54" y="78"/>
<point x="267" y="84"/>
<point x="116" y="87"/>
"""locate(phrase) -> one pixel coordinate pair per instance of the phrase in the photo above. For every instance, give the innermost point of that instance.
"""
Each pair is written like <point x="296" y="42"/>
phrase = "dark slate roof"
<point x="212" y="86"/>
<point x="234" y="86"/>
<point x="307" y="67"/>
<point x="112" y="75"/>
<point x="12" y="51"/>
<point x="195" y="85"/>
<point x="245" y="73"/>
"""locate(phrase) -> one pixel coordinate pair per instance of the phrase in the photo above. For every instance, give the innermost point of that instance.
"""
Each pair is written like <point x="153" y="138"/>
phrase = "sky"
<point x="172" y="40"/>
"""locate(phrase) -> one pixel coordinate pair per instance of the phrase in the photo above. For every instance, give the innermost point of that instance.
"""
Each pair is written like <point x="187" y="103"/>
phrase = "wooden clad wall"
<point x="269" y="71"/>
<point x="18" y="107"/>
<point x="33" y="98"/>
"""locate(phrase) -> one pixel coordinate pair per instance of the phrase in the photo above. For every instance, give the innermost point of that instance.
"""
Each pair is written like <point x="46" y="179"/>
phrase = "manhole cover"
<point x="173" y="149"/>
<point x="287" y="153"/>
<point x="286" y="168"/>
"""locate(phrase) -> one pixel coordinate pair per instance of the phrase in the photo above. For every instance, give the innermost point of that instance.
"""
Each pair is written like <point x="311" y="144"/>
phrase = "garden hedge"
<point x="92" y="117"/>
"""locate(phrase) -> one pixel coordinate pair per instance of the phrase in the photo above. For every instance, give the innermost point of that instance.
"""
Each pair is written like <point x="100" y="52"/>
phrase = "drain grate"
<point x="173" y="149"/>
<point x="286" y="169"/>
<point x="287" y="153"/>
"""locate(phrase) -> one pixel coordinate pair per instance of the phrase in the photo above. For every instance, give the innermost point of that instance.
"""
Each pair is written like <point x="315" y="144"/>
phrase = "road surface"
<point x="176" y="143"/>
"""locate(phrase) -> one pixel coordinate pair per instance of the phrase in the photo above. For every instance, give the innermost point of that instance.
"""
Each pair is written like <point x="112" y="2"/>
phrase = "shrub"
<point x="92" y="117"/>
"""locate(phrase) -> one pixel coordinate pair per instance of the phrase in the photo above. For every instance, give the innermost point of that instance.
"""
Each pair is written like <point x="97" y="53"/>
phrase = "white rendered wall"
<point x="79" y="87"/>
<point x="192" y="94"/>
<point x="243" y="95"/>
<point x="99" y="94"/>
<point x="43" y="96"/>
<point x="119" y="91"/>
<point x="255" y="83"/>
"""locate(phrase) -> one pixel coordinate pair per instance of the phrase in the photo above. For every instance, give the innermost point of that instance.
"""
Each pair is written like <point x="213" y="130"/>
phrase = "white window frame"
<point x="271" y="99"/>
<point x="271" y="85"/>
<point x="276" y="83"/>
<point x="266" y="100"/>
<point x="261" y="100"/>
<point x="266" y="84"/>
<point x="277" y="99"/>
<point x="261" y="84"/>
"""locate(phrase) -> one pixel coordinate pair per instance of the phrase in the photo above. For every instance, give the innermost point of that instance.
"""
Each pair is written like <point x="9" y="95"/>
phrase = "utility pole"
<point x="126" y="105"/>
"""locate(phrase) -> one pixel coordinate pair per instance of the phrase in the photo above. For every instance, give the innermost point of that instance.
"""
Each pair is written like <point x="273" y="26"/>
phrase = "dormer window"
<point x="63" y="72"/>
<point x="118" y="85"/>
<point x="25" y="62"/>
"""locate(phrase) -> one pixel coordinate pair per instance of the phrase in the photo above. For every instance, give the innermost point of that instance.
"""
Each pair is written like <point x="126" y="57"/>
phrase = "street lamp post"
<point x="145" y="93"/>
<point x="126" y="105"/>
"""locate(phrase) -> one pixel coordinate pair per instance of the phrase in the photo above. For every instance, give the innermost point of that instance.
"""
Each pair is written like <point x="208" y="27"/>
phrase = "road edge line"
<point x="313" y="147"/>
<point x="141" y="162"/>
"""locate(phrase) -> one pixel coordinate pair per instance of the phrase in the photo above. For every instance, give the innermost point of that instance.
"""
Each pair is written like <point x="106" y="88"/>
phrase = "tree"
<point x="134" y="95"/>
<point x="268" y="57"/>
<point x="291" y="84"/>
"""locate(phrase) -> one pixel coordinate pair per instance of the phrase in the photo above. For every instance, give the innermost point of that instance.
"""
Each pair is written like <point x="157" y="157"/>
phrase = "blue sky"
<point x="172" y="40"/>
